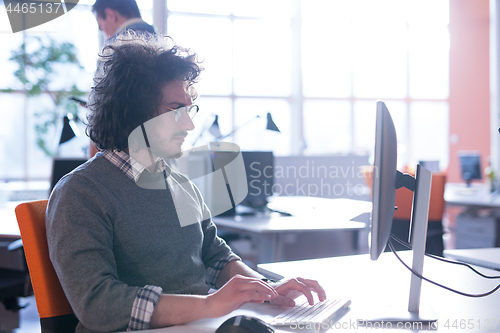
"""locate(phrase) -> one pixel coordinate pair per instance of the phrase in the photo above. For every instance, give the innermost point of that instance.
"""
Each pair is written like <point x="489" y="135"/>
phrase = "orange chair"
<point x="54" y="309"/>
<point x="402" y="216"/>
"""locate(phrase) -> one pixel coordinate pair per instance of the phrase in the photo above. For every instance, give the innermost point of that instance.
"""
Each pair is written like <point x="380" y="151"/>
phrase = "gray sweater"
<point x="109" y="237"/>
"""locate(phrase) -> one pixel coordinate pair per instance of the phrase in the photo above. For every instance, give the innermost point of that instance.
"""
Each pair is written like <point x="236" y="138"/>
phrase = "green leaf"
<point x="36" y="62"/>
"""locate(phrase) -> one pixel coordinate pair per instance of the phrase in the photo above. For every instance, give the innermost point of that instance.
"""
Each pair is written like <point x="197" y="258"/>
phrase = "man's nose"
<point x="186" y="123"/>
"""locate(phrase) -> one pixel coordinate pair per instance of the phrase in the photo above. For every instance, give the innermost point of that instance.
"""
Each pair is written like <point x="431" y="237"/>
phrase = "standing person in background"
<point x="114" y="16"/>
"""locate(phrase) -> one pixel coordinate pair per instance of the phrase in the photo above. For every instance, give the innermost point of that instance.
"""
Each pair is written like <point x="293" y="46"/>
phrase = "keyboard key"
<point x="303" y="312"/>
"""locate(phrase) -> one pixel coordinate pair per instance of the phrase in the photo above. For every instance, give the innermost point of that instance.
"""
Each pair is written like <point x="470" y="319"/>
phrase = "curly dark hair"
<point x="132" y="70"/>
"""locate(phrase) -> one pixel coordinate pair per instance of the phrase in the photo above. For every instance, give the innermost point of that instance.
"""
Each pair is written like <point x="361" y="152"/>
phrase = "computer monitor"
<point x="386" y="179"/>
<point x="62" y="166"/>
<point x="218" y="170"/>
<point x="250" y="191"/>
<point x="470" y="163"/>
<point x="259" y="167"/>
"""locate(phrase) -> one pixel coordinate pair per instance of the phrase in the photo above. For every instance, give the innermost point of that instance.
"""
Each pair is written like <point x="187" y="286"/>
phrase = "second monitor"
<point x="470" y="164"/>
<point x="259" y="167"/>
<point x="202" y="165"/>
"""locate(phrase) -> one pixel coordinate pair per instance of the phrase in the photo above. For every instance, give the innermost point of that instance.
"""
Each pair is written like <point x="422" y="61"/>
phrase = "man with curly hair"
<point x="123" y="259"/>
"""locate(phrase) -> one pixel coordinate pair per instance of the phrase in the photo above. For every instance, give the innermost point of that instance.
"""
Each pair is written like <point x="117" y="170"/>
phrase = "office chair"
<point x="402" y="216"/>
<point x="56" y="314"/>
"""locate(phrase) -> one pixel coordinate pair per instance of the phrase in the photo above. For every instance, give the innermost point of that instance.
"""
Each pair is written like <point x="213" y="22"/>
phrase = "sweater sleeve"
<point x="216" y="253"/>
<point x="143" y="307"/>
<point x="80" y="237"/>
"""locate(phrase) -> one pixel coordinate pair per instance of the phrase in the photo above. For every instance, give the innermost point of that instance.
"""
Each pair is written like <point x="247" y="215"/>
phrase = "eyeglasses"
<point x="181" y="112"/>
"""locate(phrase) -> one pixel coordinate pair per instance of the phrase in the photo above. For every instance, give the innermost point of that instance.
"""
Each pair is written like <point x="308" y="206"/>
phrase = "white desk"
<point x="474" y="228"/>
<point x="8" y="222"/>
<point x="309" y="215"/>
<point x="488" y="257"/>
<point x="371" y="285"/>
<point x="477" y="196"/>
<point x="376" y="284"/>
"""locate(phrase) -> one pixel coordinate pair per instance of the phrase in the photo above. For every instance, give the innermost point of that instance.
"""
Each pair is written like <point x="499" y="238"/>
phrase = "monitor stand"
<point x="417" y="314"/>
<point x="397" y="316"/>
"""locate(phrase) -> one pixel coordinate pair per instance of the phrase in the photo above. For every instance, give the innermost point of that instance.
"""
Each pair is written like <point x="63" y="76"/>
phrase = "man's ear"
<point x="111" y="14"/>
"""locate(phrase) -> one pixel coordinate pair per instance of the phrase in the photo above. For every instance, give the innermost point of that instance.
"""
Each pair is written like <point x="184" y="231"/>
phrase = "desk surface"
<point x="309" y="214"/>
<point x="383" y="283"/>
<point x="375" y="285"/>
<point x="489" y="257"/>
<point x="273" y="224"/>
<point x="307" y="206"/>
<point x="477" y="195"/>
<point x="8" y="222"/>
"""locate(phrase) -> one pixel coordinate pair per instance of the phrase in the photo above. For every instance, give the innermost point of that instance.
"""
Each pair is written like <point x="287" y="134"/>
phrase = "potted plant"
<point x="40" y="61"/>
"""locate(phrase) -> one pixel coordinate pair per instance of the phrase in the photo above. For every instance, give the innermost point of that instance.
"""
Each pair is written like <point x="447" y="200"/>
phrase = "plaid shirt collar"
<point x="129" y="166"/>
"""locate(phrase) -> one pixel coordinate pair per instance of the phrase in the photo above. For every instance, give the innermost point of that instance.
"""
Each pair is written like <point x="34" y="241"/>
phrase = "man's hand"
<point x="238" y="291"/>
<point x="246" y="286"/>
<point x="290" y="289"/>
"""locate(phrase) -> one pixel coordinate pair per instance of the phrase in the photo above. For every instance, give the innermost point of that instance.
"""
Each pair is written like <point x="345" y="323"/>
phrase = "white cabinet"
<point x="475" y="231"/>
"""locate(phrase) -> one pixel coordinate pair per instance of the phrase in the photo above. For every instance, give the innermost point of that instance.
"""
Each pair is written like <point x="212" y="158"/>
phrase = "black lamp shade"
<point x="214" y="128"/>
<point x="67" y="132"/>
<point x="270" y="124"/>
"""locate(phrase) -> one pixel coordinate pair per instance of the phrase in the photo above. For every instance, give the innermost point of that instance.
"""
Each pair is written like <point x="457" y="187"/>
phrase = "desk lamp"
<point x="213" y="129"/>
<point x="270" y="125"/>
<point x="69" y="130"/>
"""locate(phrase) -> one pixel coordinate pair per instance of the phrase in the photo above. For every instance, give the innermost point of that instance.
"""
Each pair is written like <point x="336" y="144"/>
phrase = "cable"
<point x="437" y="284"/>
<point x="405" y="244"/>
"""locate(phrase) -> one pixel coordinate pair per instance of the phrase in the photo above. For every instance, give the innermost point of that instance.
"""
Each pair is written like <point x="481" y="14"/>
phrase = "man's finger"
<point x="255" y="285"/>
<point x="283" y="301"/>
<point x="314" y="285"/>
<point x="295" y="284"/>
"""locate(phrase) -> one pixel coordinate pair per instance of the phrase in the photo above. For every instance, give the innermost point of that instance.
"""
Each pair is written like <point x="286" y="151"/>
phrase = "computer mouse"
<point x="244" y="324"/>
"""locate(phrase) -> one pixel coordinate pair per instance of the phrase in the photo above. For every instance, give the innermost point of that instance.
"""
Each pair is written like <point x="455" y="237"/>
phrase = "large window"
<point x="247" y="53"/>
<point x="317" y="66"/>
<point x="20" y="156"/>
